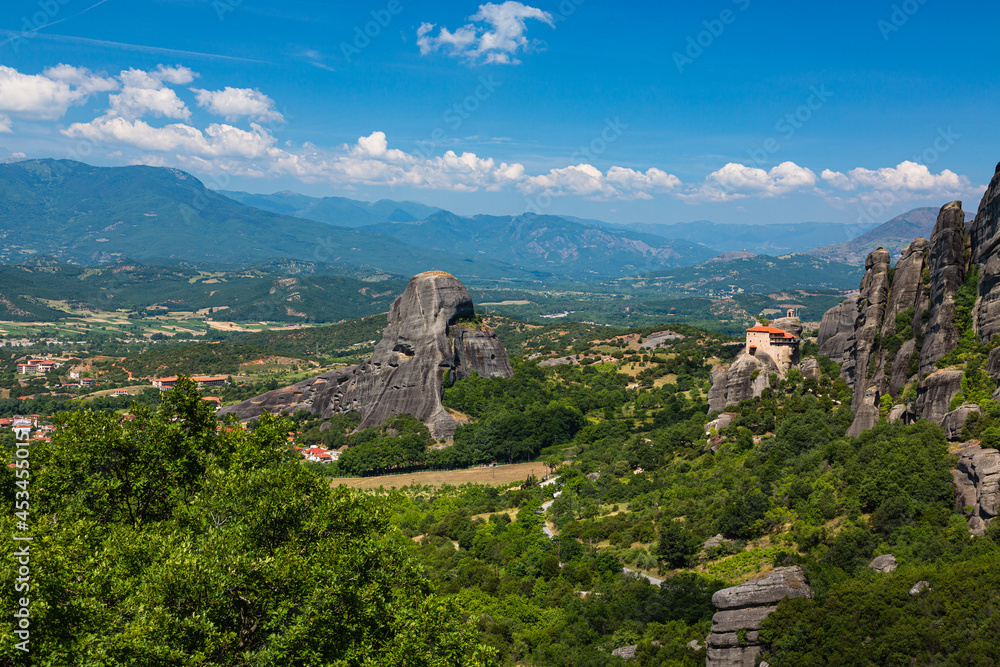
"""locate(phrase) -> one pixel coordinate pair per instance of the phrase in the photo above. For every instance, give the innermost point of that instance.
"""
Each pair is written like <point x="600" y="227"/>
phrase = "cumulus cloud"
<point x="905" y="177"/>
<point x="589" y="181"/>
<point x="143" y="93"/>
<point x="177" y="75"/>
<point x="738" y="181"/>
<point x="495" y="35"/>
<point x="5" y="125"/>
<point x="218" y="140"/>
<point x="47" y="96"/>
<point x="236" y="103"/>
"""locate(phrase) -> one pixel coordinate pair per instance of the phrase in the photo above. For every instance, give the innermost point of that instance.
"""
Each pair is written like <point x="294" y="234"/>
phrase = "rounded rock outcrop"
<point x="431" y="329"/>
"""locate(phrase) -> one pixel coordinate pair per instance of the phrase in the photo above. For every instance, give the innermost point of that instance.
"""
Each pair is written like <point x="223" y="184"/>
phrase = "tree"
<point x="677" y="546"/>
<point x="167" y="541"/>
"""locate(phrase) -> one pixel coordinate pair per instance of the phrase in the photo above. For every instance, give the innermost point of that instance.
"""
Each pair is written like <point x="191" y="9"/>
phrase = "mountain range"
<point x="339" y="211"/>
<point x="778" y="239"/>
<point x="893" y="235"/>
<point x="88" y="215"/>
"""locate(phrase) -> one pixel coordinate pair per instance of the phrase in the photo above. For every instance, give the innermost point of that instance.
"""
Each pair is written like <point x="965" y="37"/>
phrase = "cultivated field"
<point x="499" y="476"/>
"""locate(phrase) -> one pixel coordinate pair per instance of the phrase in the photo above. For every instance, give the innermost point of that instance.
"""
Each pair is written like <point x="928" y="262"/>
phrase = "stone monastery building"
<point x="775" y="343"/>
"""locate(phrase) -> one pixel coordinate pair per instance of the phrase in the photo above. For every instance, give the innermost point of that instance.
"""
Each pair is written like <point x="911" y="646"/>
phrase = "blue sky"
<point x="733" y="110"/>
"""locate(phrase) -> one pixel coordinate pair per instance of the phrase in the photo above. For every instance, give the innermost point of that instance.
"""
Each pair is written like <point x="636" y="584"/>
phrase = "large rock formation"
<point x="734" y="641"/>
<point x="947" y="264"/>
<point x="976" y="481"/>
<point x="986" y="254"/>
<point x="430" y="332"/>
<point x="886" y="348"/>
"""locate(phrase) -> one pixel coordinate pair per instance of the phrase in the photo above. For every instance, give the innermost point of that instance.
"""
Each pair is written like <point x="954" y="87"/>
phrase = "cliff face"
<point x="903" y="324"/>
<point x="986" y="255"/>
<point x="405" y="374"/>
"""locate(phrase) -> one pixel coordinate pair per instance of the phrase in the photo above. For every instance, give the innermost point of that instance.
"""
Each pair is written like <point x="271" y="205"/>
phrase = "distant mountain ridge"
<point x="335" y="210"/>
<point x="89" y="215"/>
<point x="777" y="239"/>
<point x="548" y="243"/>
<point x="893" y="235"/>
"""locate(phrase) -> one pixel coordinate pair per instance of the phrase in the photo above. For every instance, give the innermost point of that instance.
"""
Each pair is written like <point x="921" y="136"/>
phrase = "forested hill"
<point x="88" y="215"/>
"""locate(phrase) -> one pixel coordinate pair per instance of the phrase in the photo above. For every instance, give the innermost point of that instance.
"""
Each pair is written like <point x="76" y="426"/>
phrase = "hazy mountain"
<point x="79" y="213"/>
<point x="893" y="235"/>
<point x="780" y="239"/>
<point x="335" y="210"/>
<point x="548" y="243"/>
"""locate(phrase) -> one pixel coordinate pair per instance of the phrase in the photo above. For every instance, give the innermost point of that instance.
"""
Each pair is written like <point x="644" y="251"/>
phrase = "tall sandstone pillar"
<point x="986" y="255"/>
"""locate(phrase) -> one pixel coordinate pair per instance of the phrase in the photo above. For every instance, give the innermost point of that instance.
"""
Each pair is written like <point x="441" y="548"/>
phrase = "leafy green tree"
<point x="169" y="541"/>
<point x="677" y="546"/>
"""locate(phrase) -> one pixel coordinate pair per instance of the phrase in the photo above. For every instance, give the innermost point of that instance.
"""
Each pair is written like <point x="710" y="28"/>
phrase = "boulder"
<point x="742" y="608"/>
<point x="920" y="587"/>
<point x="897" y="413"/>
<point x="625" y="652"/>
<point x="783" y="582"/>
<point x="810" y="368"/>
<point x="716" y="541"/>
<point x="866" y="414"/>
<point x="955" y="420"/>
<point x="430" y="333"/>
<point x="747" y="377"/>
<point x="884" y="564"/>
<point x="934" y="394"/>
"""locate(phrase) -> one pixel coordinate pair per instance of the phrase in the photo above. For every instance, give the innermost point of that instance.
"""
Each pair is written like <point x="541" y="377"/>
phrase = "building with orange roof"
<point x="776" y="343"/>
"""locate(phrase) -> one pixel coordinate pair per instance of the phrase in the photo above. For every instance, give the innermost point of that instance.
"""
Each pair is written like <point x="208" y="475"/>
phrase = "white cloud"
<point x="236" y="103"/>
<point x="738" y="181"/>
<point x="500" y="35"/>
<point x="177" y="75"/>
<point x="5" y="125"/>
<point x="143" y="93"/>
<point x="49" y="95"/>
<point x="218" y="140"/>
<point x="589" y="181"/>
<point x="905" y="177"/>
<point x="81" y="78"/>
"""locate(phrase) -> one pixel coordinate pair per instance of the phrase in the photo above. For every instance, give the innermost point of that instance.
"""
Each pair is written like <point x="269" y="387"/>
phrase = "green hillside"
<point x="247" y="295"/>
<point x="87" y="215"/>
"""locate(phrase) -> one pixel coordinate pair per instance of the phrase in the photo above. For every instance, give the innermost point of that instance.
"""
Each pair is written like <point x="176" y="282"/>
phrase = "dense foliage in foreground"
<point x="164" y="541"/>
<point x="646" y="487"/>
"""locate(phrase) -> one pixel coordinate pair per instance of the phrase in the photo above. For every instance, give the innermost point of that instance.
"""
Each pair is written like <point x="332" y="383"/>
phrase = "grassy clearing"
<point x="498" y="476"/>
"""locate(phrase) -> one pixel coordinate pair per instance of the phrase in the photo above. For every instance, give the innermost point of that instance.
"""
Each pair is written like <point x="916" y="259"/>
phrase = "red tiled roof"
<point x="771" y="330"/>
